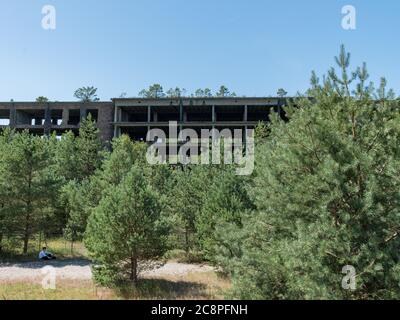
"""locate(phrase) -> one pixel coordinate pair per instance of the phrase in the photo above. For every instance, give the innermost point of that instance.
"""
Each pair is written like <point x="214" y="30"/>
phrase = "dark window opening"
<point x="5" y="117"/>
<point x="136" y="134"/>
<point x="74" y="117"/>
<point x="94" y="113"/>
<point x="257" y="113"/>
<point x="196" y="116"/>
<point x="30" y="117"/>
<point x="230" y="113"/>
<point x="137" y="114"/>
<point x="56" y="117"/>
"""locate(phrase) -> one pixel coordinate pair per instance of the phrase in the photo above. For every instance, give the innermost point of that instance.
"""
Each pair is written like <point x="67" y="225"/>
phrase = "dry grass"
<point x="196" y="285"/>
<point x="60" y="247"/>
<point x="67" y="290"/>
<point x="192" y="286"/>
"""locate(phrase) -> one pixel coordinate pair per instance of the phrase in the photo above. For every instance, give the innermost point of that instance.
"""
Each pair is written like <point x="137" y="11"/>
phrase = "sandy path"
<point x="81" y="270"/>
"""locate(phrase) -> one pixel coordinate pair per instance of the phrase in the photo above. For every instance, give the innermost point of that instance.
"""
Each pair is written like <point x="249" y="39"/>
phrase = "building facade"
<point x="136" y="116"/>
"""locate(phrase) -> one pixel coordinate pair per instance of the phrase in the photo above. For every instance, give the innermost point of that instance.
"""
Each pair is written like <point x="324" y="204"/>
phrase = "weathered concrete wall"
<point x="29" y="115"/>
<point x="105" y="122"/>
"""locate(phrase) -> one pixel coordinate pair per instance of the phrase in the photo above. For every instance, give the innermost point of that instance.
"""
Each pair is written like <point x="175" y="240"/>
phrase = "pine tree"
<point x="185" y="200"/>
<point x="125" y="230"/>
<point x="203" y="93"/>
<point x="226" y="202"/>
<point x="89" y="150"/>
<point x="86" y="94"/>
<point x="6" y="218"/>
<point x="326" y="192"/>
<point x="32" y="184"/>
<point x="176" y="93"/>
<point x="125" y="154"/>
<point x="77" y="160"/>
<point x="66" y="156"/>
<point x="224" y="92"/>
<point x="155" y="91"/>
<point x="281" y="92"/>
<point x="78" y="199"/>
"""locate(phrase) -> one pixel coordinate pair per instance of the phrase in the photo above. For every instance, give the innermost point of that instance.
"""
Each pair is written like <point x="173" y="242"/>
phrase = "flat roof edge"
<point x="201" y="98"/>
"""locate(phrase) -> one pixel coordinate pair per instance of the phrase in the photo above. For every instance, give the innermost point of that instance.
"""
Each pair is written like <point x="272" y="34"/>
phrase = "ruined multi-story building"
<point x="136" y="116"/>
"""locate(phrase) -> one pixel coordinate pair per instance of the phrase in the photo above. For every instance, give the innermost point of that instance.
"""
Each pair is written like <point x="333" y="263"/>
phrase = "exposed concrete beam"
<point x="263" y="101"/>
<point x="187" y="124"/>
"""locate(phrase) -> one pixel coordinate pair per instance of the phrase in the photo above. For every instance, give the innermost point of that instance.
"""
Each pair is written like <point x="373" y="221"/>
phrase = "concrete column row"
<point x="182" y="114"/>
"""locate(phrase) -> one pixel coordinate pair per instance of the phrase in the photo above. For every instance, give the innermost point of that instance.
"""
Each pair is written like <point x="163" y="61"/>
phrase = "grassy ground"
<point x="202" y="285"/>
<point x="60" y="247"/>
<point x="67" y="290"/>
<point x="192" y="286"/>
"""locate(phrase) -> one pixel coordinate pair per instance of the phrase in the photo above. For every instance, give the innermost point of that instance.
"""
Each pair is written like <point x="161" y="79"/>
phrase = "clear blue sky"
<point x="252" y="46"/>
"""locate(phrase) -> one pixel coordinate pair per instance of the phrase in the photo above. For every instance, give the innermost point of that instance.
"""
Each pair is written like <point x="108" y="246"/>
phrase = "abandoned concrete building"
<point x="136" y="116"/>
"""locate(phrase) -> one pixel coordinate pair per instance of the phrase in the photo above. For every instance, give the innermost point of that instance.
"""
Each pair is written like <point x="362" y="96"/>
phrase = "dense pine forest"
<point x="325" y="194"/>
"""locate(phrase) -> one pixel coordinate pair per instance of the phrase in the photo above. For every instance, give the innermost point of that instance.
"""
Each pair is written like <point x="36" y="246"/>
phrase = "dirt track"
<point x="81" y="270"/>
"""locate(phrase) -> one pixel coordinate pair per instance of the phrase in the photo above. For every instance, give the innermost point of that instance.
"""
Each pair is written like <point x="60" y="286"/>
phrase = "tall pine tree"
<point x="327" y="196"/>
<point x="126" y="230"/>
<point x="32" y="184"/>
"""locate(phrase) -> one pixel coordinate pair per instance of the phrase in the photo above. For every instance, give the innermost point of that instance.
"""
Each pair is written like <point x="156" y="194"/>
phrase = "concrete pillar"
<point x="47" y="115"/>
<point x="83" y="112"/>
<point x="13" y="116"/>
<point x="65" y="117"/>
<point x="115" y="121"/>
<point x="214" y="115"/>
<point x="245" y="137"/>
<point x="148" y="114"/>
<point x="148" y="118"/>
<point x="116" y="114"/>
<point x="47" y="121"/>
<point x="214" y="120"/>
<point x="280" y="104"/>
<point x="245" y="117"/>
<point x="181" y="111"/>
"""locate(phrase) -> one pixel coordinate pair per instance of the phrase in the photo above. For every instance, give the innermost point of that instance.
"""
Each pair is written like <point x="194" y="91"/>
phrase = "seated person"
<point x="45" y="255"/>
